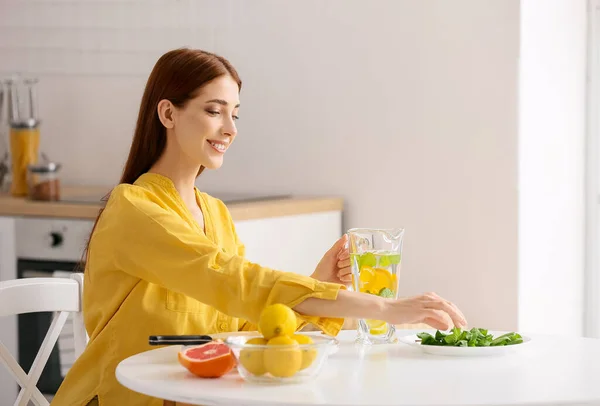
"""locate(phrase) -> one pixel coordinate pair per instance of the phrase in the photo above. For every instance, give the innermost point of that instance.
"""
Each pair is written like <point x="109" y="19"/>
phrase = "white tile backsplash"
<point x="99" y="37"/>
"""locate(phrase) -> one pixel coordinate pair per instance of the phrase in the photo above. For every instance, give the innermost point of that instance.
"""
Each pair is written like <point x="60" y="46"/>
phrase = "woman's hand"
<point x="335" y="264"/>
<point x="428" y="308"/>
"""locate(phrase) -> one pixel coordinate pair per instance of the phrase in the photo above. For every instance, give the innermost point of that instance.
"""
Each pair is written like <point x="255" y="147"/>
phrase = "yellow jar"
<point x="24" y="149"/>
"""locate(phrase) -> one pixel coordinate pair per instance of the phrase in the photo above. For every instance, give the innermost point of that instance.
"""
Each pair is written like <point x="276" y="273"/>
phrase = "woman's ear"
<point x="165" y="112"/>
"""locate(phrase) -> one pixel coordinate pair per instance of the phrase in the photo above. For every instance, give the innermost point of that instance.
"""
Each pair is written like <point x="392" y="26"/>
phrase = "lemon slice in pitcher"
<point x="377" y="327"/>
<point x="382" y="279"/>
<point x="366" y="274"/>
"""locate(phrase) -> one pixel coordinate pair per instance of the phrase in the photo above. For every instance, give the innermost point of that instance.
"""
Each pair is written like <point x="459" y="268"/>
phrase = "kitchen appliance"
<point x="48" y="248"/>
<point x="24" y="124"/>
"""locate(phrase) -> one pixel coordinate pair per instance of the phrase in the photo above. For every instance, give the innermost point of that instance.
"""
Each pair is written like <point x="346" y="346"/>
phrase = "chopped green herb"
<point x="476" y="337"/>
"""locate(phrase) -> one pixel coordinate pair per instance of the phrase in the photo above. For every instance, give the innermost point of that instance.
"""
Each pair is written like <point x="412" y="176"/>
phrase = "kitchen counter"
<point x="76" y="204"/>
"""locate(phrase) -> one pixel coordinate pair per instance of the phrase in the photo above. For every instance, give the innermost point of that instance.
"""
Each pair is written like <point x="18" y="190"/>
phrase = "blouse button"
<point x="223" y="326"/>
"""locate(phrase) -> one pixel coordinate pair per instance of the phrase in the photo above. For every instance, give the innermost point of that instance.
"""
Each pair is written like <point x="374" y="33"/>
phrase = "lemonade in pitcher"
<point x="375" y="259"/>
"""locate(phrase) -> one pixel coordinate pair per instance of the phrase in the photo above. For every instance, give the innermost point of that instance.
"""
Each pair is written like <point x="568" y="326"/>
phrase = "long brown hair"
<point x="177" y="76"/>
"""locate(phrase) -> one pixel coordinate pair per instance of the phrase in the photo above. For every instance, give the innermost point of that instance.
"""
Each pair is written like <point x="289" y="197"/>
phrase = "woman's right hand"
<point x="428" y="308"/>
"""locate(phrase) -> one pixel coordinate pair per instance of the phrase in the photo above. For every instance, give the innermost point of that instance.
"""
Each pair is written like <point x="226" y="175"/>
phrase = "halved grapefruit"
<point x="210" y="360"/>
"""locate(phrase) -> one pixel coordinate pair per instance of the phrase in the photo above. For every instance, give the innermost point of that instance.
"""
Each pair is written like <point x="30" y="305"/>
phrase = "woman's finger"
<point x="345" y="271"/>
<point x="343" y="254"/>
<point x="456" y="309"/>
<point x="440" y="304"/>
<point x="345" y="274"/>
<point x="436" y="319"/>
<point x="344" y="263"/>
<point x="346" y="278"/>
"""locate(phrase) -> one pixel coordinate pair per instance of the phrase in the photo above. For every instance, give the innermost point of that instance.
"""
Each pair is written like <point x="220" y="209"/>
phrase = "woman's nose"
<point x="229" y="128"/>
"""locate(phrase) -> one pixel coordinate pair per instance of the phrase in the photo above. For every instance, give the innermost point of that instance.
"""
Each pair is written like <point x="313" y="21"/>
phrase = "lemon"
<point x="282" y="362"/>
<point x="277" y="320"/>
<point x="366" y="274"/>
<point x="308" y="355"/>
<point x="382" y="279"/>
<point x="377" y="326"/>
<point x="252" y="358"/>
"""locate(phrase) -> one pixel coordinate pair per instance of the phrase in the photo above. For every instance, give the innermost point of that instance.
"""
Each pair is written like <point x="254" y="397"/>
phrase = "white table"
<point x="550" y="370"/>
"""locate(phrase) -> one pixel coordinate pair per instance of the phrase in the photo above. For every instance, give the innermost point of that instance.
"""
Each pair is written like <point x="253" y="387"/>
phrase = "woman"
<point x="164" y="258"/>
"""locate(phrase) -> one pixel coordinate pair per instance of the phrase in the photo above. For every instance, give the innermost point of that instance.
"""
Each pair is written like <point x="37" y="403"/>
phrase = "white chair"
<point x="28" y="295"/>
<point x="79" y="332"/>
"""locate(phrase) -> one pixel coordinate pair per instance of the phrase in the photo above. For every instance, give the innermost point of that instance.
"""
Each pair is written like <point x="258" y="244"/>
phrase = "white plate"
<point x="464" y="351"/>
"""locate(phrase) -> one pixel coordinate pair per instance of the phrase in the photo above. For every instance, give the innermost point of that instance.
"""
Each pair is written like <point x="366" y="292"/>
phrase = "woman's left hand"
<point x="335" y="264"/>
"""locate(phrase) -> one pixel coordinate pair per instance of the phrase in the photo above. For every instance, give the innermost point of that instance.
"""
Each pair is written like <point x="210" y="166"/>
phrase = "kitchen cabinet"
<point x="8" y="325"/>
<point x="292" y="243"/>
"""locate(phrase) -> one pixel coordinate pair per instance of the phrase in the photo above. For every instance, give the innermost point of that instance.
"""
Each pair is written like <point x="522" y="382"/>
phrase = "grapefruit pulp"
<point x="210" y="360"/>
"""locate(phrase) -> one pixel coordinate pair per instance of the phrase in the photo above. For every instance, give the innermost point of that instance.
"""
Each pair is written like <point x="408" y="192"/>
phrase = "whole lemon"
<point x="282" y="362"/>
<point x="277" y="320"/>
<point x="308" y="355"/>
<point x="252" y="358"/>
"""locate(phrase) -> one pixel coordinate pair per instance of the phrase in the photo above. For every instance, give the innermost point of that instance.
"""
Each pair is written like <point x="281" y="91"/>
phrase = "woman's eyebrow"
<point x="221" y="102"/>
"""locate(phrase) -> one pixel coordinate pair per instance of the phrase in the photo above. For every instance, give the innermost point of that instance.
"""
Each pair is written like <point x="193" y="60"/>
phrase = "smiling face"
<point x="204" y="128"/>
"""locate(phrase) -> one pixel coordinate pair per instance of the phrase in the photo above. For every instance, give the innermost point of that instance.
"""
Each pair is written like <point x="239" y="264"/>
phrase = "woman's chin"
<point x="213" y="163"/>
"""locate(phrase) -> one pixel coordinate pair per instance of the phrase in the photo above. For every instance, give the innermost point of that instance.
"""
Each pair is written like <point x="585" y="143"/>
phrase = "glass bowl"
<point x="281" y="363"/>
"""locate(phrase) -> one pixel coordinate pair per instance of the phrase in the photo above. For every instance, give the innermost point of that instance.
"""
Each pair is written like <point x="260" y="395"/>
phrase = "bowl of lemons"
<point x="277" y="353"/>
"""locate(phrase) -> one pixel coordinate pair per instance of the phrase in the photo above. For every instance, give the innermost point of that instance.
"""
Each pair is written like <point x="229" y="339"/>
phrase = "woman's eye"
<point x="236" y="117"/>
<point x="212" y="112"/>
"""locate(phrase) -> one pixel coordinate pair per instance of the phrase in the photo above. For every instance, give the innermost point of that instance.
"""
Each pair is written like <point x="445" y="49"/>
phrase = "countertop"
<point x="84" y="202"/>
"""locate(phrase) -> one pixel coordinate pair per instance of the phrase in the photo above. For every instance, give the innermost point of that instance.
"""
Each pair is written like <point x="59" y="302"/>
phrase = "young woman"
<point x="164" y="258"/>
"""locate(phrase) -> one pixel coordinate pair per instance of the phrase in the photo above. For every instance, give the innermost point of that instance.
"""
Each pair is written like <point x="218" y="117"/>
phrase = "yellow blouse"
<point x="151" y="270"/>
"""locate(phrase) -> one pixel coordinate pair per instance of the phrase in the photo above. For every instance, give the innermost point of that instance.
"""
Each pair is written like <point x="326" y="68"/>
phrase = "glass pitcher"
<point x="375" y="257"/>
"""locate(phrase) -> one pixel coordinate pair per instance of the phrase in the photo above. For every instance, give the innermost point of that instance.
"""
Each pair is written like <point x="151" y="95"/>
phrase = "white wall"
<point x="592" y="263"/>
<point x="407" y="109"/>
<point x="551" y="165"/>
